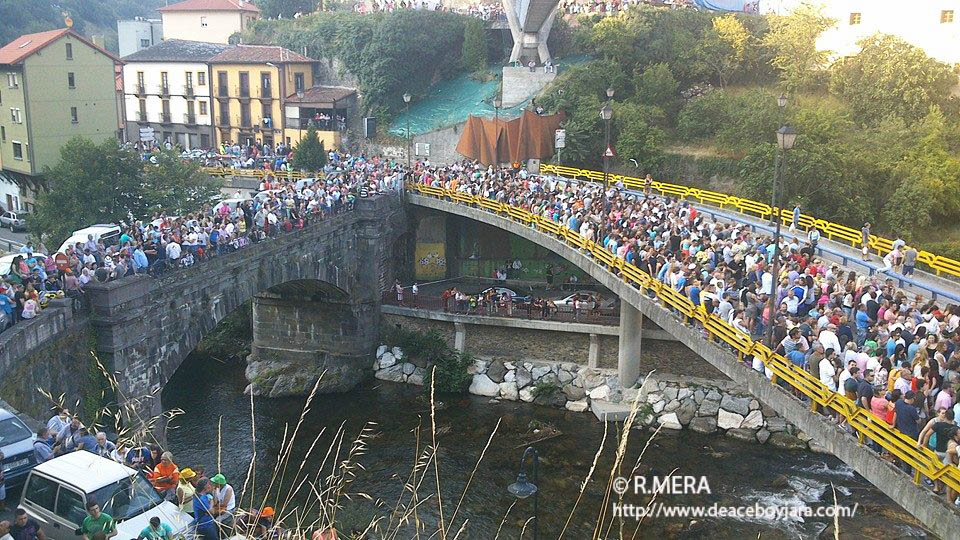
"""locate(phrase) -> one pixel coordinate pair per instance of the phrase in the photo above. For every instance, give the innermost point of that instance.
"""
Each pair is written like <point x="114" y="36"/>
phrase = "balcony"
<point x="165" y="118"/>
<point x="142" y="117"/>
<point x="190" y="119"/>
<point x="188" y="91"/>
<point x="243" y="92"/>
<point x="141" y="90"/>
<point x="222" y="91"/>
<point x="164" y="89"/>
<point x="266" y="92"/>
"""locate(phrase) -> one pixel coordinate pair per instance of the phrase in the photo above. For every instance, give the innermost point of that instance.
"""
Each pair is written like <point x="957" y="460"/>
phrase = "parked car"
<point x="517" y="298"/>
<point x="15" y="221"/>
<point x="588" y="300"/>
<point x="233" y="203"/>
<point x="16" y="442"/>
<point x="109" y="234"/>
<point x="57" y="491"/>
<point x="6" y="263"/>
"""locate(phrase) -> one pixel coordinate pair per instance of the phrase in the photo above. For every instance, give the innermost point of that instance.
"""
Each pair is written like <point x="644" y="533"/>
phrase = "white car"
<point x="234" y="204"/>
<point x="57" y="491"/>
<point x="108" y="233"/>
<point x="6" y="263"/>
<point x="588" y="299"/>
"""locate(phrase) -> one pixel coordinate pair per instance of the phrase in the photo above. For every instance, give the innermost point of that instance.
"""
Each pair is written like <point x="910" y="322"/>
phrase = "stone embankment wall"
<point x="677" y="403"/>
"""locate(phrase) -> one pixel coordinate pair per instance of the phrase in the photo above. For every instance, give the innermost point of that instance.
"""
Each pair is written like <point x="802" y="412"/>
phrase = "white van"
<point x="108" y="233"/>
<point x="56" y="494"/>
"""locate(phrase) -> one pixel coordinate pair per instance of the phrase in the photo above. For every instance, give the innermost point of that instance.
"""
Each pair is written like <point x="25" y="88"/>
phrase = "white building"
<point x="167" y="93"/>
<point x="932" y="25"/>
<point x="213" y="21"/>
<point x="138" y="34"/>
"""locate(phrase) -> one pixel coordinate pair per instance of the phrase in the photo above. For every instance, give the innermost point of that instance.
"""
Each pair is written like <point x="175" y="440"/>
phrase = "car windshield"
<point x="12" y="431"/>
<point x="128" y="497"/>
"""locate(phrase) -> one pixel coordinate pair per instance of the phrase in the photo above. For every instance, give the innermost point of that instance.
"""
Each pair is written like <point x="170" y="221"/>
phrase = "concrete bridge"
<point x="636" y="304"/>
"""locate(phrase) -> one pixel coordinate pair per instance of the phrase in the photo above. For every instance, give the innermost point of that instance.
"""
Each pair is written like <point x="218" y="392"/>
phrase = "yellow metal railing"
<point x="833" y="231"/>
<point x="253" y="173"/>
<point x="924" y="461"/>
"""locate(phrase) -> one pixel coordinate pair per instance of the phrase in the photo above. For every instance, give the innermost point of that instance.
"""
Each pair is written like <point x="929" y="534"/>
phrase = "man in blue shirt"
<point x="863" y="323"/>
<point x="203" y="511"/>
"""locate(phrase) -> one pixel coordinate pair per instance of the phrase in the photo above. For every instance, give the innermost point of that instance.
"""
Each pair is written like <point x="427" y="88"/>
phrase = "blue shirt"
<point x="863" y="320"/>
<point x="695" y="295"/>
<point x="201" y="509"/>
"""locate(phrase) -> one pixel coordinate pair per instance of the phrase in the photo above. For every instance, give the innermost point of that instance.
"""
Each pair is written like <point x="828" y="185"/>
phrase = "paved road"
<point x="7" y="236"/>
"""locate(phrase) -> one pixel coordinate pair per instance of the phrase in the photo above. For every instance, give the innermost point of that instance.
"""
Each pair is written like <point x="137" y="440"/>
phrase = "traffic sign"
<point x="560" y="139"/>
<point x="609" y="152"/>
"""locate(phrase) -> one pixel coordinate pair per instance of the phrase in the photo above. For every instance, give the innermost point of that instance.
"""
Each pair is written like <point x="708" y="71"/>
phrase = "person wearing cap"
<point x="186" y="489"/>
<point x="203" y="511"/>
<point x="156" y="530"/>
<point x="224" y="499"/>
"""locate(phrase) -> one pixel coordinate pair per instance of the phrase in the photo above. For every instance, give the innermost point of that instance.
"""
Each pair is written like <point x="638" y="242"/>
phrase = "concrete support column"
<point x="593" y="357"/>
<point x="631" y="334"/>
<point x="460" y="336"/>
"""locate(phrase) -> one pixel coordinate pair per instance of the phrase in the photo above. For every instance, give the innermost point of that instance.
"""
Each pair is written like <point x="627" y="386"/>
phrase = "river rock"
<point x="803" y="436"/>
<point x="553" y="399"/>
<point x="397" y="353"/>
<point x="762" y="435"/>
<point x="653" y="398"/>
<point x="408" y="368"/>
<point x="776" y="423"/>
<point x="713" y="395"/>
<point x="686" y="412"/>
<point x="509" y="365"/>
<point x="381" y="349"/>
<point x="698" y="396"/>
<point x="577" y="406"/>
<point x="754" y="404"/>
<point x="670" y="393"/>
<point x="573" y="393"/>
<point x="670" y="421"/>
<point x="510" y="375"/>
<point x="672" y="406"/>
<point x="708" y="408"/>
<point x="393" y="373"/>
<point x="417" y="376"/>
<point x="754" y="420"/>
<point x="704" y="424"/>
<point x="523" y="377"/>
<point x="496" y="371"/>
<point x="741" y="434"/>
<point x="817" y="447"/>
<point x="483" y="386"/>
<point x="786" y="441"/>
<point x="509" y="391"/>
<point x="526" y="395"/>
<point x="740" y="406"/>
<point x="376" y="364"/>
<point x="591" y="378"/>
<point x="481" y="365"/>
<point x="387" y="360"/>
<point x="631" y="394"/>
<point x="728" y="420"/>
<point x="564" y="376"/>
<point x="539" y="371"/>
<point x="528" y="366"/>
<point x="684" y="393"/>
<point x="572" y="367"/>
<point x="601" y="392"/>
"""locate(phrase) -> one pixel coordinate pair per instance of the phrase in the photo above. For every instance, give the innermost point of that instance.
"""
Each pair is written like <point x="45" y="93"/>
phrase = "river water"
<point x="210" y="393"/>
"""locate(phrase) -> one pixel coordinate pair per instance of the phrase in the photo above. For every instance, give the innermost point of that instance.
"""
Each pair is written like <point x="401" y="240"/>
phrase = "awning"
<point x="492" y="141"/>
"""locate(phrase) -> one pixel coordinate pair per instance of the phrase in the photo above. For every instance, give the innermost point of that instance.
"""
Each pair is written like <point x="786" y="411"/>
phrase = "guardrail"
<point x="833" y="231"/>
<point x="254" y="173"/>
<point x="923" y="460"/>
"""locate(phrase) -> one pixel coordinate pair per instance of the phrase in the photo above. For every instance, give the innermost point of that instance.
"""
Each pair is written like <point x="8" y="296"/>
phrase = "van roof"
<point x="100" y="227"/>
<point x="85" y="470"/>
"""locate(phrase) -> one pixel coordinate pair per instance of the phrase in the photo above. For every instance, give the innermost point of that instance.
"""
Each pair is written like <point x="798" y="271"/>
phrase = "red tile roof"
<point x="19" y="49"/>
<point x="322" y="94"/>
<point x="258" y="54"/>
<point x="212" y="5"/>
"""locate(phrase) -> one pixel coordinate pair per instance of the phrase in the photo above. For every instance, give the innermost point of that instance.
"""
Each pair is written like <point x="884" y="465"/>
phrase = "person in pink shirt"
<point x="944" y="398"/>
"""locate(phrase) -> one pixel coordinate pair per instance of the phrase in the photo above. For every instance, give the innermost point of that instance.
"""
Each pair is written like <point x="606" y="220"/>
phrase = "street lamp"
<point x="782" y="104"/>
<point x="782" y="101"/>
<point x="606" y="113"/>
<point x="497" y="103"/>
<point x="523" y="488"/>
<point x="406" y="99"/>
<point x="786" y="138"/>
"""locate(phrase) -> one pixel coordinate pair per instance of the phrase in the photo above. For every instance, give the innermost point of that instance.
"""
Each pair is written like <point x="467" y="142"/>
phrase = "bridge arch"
<point x="674" y="313"/>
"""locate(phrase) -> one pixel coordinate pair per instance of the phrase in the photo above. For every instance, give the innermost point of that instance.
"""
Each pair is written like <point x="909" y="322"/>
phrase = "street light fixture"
<point x="497" y="103"/>
<point x="782" y="104"/>
<point x="406" y="100"/>
<point x="523" y="488"/>
<point x="610" y="93"/>
<point x="782" y="100"/>
<point x="606" y="113"/>
<point x="786" y="138"/>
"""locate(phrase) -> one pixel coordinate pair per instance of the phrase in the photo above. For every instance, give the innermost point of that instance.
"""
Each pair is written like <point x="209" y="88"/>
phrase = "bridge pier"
<point x="631" y="336"/>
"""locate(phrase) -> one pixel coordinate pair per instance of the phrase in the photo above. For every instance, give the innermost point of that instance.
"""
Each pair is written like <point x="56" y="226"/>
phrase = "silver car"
<point x="16" y="442"/>
<point x="15" y="221"/>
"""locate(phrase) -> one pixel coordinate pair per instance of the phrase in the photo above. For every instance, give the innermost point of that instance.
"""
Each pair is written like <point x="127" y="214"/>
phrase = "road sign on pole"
<point x="560" y="139"/>
<point x="609" y="152"/>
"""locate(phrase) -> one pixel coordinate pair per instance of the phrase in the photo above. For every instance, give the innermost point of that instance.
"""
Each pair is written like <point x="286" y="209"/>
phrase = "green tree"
<point x="724" y="47"/>
<point x="793" y="41"/>
<point x="636" y="138"/>
<point x="474" y="55"/>
<point x="656" y="86"/>
<point x="286" y="9"/>
<point x="890" y="76"/>
<point x="704" y="116"/>
<point x="309" y="154"/>
<point x="175" y="186"/>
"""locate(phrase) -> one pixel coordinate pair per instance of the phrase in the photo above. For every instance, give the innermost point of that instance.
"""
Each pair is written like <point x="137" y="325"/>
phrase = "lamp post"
<point x="786" y="137"/>
<point x="497" y="103"/>
<point x="606" y="113"/>
<point x="782" y="104"/>
<point x="523" y="488"/>
<point x="406" y="100"/>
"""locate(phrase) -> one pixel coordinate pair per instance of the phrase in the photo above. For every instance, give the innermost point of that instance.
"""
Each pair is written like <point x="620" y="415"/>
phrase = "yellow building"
<point x="212" y="21"/>
<point x="249" y="86"/>
<point x="329" y="109"/>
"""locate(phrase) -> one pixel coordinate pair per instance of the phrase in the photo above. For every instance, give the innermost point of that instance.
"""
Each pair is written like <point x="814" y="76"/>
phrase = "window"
<point x="164" y="83"/>
<point x="855" y="18"/>
<point x="3" y="134"/>
<point x="73" y="115"/>
<point x="70" y="506"/>
<point x="71" y="81"/>
<point x="265" y="84"/>
<point x="140" y="84"/>
<point x="142" y="113"/>
<point x="144" y="43"/>
<point x="18" y="154"/>
<point x="244" y="84"/>
<point x="203" y="108"/>
<point x="69" y="51"/>
<point x="15" y="115"/>
<point x="946" y="16"/>
<point x="12" y="80"/>
<point x="298" y="82"/>
<point x="222" y="82"/>
<point x="189" y="79"/>
<point x="203" y="21"/>
<point x="201" y="78"/>
<point x="204" y="140"/>
<point x="40" y="492"/>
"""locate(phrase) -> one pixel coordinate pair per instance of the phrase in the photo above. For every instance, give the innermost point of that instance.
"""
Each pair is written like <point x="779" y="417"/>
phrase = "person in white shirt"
<point x="828" y="337"/>
<point x="828" y="371"/>
<point x="173" y="253"/>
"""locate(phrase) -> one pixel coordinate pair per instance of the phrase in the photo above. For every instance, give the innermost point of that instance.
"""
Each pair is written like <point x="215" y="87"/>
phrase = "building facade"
<point x="54" y="85"/>
<point x="138" y="34"/>
<point x="250" y="83"/>
<point x="210" y="20"/>
<point x="167" y="91"/>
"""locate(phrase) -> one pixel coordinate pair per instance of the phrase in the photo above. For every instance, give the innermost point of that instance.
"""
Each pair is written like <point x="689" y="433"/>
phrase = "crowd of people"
<point x="166" y="242"/>
<point x="889" y="350"/>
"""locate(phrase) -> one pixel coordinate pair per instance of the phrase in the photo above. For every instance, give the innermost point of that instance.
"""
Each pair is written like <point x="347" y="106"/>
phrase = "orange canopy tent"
<point x="529" y="136"/>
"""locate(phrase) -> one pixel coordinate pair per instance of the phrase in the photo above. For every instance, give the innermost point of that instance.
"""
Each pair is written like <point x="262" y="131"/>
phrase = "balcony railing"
<point x="164" y="89"/>
<point x="165" y="118"/>
<point x="188" y="91"/>
<point x="190" y="119"/>
<point x="266" y="92"/>
<point x="140" y="89"/>
<point x="142" y="116"/>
